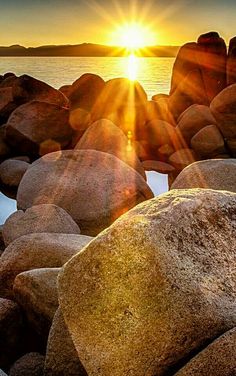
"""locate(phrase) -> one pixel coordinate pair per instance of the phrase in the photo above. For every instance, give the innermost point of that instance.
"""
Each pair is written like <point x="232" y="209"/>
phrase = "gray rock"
<point x="36" y="292"/>
<point x="30" y="364"/>
<point x="215" y="174"/>
<point x="154" y="287"/>
<point x="61" y="356"/>
<point x="35" y="251"/>
<point x="39" y="218"/>
<point x="217" y="359"/>
<point x="94" y="187"/>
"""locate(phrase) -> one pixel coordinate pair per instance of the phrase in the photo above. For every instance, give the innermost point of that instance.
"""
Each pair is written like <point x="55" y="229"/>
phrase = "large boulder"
<point x="104" y="136"/>
<point x="11" y="332"/>
<point x="69" y="178"/>
<point x="12" y="171"/>
<point x="223" y="108"/>
<point x="217" y="174"/>
<point x="39" y="218"/>
<point x="61" y="356"/>
<point x="231" y="63"/>
<point x="36" y="292"/>
<point x="33" y="124"/>
<point x="208" y="142"/>
<point x="217" y="359"/>
<point x="117" y="93"/>
<point x="193" y="120"/>
<point x="154" y="287"/>
<point x="26" y="88"/>
<point x="85" y="91"/>
<point x="159" y="133"/>
<point x="35" y="251"/>
<point x="31" y="364"/>
<point x="212" y="59"/>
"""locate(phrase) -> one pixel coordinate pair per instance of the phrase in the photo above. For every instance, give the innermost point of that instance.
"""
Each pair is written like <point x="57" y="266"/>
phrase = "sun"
<point x="133" y="36"/>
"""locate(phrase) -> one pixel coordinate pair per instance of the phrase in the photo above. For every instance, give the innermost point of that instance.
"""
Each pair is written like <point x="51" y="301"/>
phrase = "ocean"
<point x="153" y="73"/>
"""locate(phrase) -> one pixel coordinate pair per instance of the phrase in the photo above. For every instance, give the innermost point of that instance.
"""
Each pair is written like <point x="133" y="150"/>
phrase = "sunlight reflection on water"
<point x="153" y="73"/>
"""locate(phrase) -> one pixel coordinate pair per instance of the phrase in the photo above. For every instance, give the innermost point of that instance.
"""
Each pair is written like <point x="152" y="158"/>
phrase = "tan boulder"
<point x="61" y="356"/>
<point x="47" y="218"/>
<point x="12" y="171"/>
<point x="217" y="174"/>
<point x="217" y="359"/>
<point x="155" y="287"/>
<point x="104" y="136"/>
<point x="34" y="123"/>
<point x="35" y="251"/>
<point x="95" y="188"/>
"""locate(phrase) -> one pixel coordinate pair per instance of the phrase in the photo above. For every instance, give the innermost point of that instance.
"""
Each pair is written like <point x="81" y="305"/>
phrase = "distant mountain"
<point x="85" y="49"/>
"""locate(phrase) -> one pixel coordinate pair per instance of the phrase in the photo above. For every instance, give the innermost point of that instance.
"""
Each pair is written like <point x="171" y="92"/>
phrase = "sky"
<point x="172" y="22"/>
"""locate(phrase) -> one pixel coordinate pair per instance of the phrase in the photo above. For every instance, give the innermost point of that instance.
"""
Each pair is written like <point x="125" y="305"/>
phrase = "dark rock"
<point x="208" y="142"/>
<point x="35" y="123"/>
<point x="161" y="167"/>
<point x="7" y="105"/>
<point x="231" y="62"/>
<point x="65" y="89"/>
<point x="30" y="364"/>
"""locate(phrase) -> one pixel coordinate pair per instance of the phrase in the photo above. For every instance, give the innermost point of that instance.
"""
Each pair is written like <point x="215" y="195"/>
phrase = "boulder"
<point x="39" y="218"/>
<point x="7" y="104"/>
<point x="61" y="356"/>
<point x="217" y="174"/>
<point x="159" y="109"/>
<point x="4" y="148"/>
<point x="193" y="119"/>
<point x="190" y="91"/>
<point x="161" y="167"/>
<point x="8" y="80"/>
<point x="35" y="123"/>
<point x="11" y="332"/>
<point x="185" y="62"/>
<point x="156" y="286"/>
<point x="212" y="59"/>
<point x="182" y="158"/>
<point x="12" y="171"/>
<point x="36" y="292"/>
<point x="104" y="136"/>
<point x="231" y="63"/>
<point x="223" y="108"/>
<point x="159" y="133"/>
<point x="117" y="93"/>
<point x="217" y="359"/>
<point x="65" y="89"/>
<point x="30" y="364"/>
<point x="112" y="186"/>
<point x="85" y="91"/>
<point x="208" y="142"/>
<point x="27" y="89"/>
<point x="80" y="119"/>
<point x="35" y="251"/>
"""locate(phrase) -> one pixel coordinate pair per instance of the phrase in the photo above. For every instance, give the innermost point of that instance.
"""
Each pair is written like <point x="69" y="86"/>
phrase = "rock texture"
<point x="212" y="173"/>
<point x="217" y="359"/>
<point x="35" y="251"/>
<point x="39" y="218"/>
<point x="110" y="139"/>
<point x="35" y="123"/>
<point x="30" y="364"/>
<point x="36" y="292"/>
<point x="69" y="178"/>
<point x="12" y="171"/>
<point x="155" y="286"/>
<point x="61" y="356"/>
<point x="208" y="142"/>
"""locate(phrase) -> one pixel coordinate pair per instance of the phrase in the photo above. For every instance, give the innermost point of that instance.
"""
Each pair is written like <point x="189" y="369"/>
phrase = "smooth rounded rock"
<point x="154" y="287"/>
<point x="208" y="141"/>
<point x="217" y="174"/>
<point x="95" y="188"/>
<point x="35" y="251"/>
<point x="39" y="218"/>
<point x="12" y="171"/>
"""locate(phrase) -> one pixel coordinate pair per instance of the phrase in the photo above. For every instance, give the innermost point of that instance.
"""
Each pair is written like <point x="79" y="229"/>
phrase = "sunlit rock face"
<point x="95" y="188"/>
<point x="217" y="174"/>
<point x="155" y="286"/>
<point x="231" y="62"/>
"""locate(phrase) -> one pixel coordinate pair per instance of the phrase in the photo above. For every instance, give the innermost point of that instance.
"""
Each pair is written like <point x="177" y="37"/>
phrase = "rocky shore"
<point x="98" y="277"/>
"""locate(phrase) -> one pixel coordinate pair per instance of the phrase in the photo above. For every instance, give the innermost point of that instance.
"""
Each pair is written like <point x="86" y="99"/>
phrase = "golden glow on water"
<point x="132" y="67"/>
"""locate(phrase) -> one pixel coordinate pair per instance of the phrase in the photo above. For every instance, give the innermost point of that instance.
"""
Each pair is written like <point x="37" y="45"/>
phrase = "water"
<point x="153" y="73"/>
